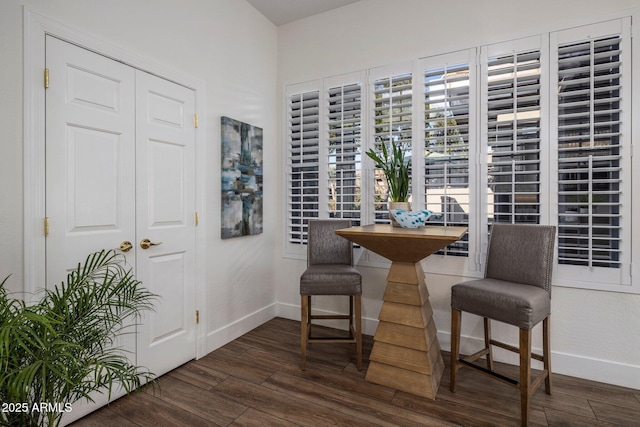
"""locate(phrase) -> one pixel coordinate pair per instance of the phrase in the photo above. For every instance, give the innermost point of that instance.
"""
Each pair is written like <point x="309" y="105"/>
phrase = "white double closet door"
<point x="120" y="167"/>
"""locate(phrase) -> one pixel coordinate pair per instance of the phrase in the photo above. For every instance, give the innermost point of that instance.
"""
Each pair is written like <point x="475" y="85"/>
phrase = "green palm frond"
<point x="63" y="348"/>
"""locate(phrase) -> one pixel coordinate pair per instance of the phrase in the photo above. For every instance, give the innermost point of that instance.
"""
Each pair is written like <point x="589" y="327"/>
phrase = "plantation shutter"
<point x="392" y="121"/>
<point x="446" y="155"/>
<point x="591" y="150"/>
<point x="303" y="167"/>
<point x="513" y="104"/>
<point x="344" y="128"/>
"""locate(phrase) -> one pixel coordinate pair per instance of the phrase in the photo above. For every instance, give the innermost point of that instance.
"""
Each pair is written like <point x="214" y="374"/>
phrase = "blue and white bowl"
<point x="408" y="219"/>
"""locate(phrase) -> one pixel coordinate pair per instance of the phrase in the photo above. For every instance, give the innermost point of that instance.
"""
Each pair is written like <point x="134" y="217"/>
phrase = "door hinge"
<point x="195" y="120"/>
<point x="46" y="78"/>
<point x="46" y="226"/>
<point x="197" y="219"/>
<point x="197" y="317"/>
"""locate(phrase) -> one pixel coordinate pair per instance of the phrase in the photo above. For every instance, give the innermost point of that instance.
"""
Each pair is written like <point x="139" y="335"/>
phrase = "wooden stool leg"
<point x="487" y="343"/>
<point x="525" y="375"/>
<point x="456" y="317"/>
<point x="304" y="328"/>
<point x="358" y="304"/>
<point x="546" y="353"/>
<point x="351" y="307"/>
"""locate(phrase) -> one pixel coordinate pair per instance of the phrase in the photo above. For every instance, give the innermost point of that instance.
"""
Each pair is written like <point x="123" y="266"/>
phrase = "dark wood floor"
<point x="256" y="381"/>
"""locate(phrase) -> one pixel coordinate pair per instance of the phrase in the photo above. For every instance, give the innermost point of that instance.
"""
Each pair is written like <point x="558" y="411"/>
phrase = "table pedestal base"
<point x="406" y="352"/>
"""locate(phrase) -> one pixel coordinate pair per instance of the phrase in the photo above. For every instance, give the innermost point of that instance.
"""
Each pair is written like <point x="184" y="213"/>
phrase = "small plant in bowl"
<point x="396" y="168"/>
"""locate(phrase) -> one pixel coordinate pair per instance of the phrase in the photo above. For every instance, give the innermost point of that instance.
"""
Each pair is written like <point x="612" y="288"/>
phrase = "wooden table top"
<point x="403" y="244"/>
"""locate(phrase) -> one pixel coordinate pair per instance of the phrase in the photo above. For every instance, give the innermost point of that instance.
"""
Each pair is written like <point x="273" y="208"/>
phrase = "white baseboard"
<point x="226" y="334"/>
<point x="82" y="408"/>
<point x="605" y="371"/>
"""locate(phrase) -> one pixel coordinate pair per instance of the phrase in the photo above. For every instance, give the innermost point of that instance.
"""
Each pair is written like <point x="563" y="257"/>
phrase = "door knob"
<point x="146" y="243"/>
<point x="125" y="246"/>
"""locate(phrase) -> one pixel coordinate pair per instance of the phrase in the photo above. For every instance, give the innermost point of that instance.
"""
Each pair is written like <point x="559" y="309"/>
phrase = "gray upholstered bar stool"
<point x="330" y="271"/>
<point x="516" y="290"/>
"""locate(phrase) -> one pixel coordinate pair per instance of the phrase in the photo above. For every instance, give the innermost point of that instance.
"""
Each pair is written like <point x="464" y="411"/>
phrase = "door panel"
<point x="92" y="203"/>
<point x="90" y="156"/>
<point x="167" y="276"/>
<point x="92" y="89"/>
<point x="166" y="182"/>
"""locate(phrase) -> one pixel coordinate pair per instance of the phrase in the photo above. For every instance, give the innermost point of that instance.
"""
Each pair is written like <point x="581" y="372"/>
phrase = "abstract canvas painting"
<point x="241" y="179"/>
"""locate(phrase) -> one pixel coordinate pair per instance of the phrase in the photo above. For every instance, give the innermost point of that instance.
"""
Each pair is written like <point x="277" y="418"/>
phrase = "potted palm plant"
<point x="396" y="168"/>
<point x="62" y="348"/>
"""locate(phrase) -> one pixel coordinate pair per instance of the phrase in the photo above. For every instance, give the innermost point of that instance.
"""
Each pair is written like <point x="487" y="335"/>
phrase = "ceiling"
<point x="283" y="11"/>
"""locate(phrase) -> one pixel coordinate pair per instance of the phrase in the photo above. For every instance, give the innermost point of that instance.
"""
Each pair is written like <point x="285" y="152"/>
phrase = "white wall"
<point x="227" y="45"/>
<point x="595" y="335"/>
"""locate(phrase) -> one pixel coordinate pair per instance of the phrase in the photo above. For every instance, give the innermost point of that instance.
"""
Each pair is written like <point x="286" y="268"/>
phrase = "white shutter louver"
<point x="589" y="152"/>
<point x="392" y="121"/>
<point x="513" y="137"/>
<point x="446" y="160"/>
<point x="303" y="167"/>
<point x="344" y="127"/>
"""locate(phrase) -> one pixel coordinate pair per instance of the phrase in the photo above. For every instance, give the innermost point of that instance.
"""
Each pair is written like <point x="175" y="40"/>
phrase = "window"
<point x="589" y="152"/>
<point x="593" y="152"/>
<point x="392" y="99"/>
<point x="344" y="128"/>
<point x="448" y="126"/>
<point x="304" y="158"/>
<point x="512" y="101"/>
<point x="531" y="131"/>
<point x="324" y="133"/>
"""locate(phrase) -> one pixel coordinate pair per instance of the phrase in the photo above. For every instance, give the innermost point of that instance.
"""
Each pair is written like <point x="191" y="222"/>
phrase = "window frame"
<point x="470" y="266"/>
<point x="600" y="278"/>
<point x="512" y="47"/>
<point x="377" y="74"/>
<point x="322" y="86"/>
<point x="342" y="82"/>
<point x="296" y="249"/>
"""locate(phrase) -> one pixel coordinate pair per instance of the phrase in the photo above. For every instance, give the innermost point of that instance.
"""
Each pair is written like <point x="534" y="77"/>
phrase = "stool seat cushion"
<point x="331" y="279"/>
<point x="513" y="303"/>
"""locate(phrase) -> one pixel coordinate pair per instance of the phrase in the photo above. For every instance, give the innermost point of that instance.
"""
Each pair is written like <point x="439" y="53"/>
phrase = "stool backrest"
<point x="324" y="246"/>
<point x="521" y="253"/>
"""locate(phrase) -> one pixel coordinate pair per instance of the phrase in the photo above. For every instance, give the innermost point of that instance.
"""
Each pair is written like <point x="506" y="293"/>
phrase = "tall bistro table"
<point x="406" y="352"/>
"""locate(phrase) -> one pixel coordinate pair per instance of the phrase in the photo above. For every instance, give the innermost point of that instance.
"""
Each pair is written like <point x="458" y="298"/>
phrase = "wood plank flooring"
<point x="256" y="381"/>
